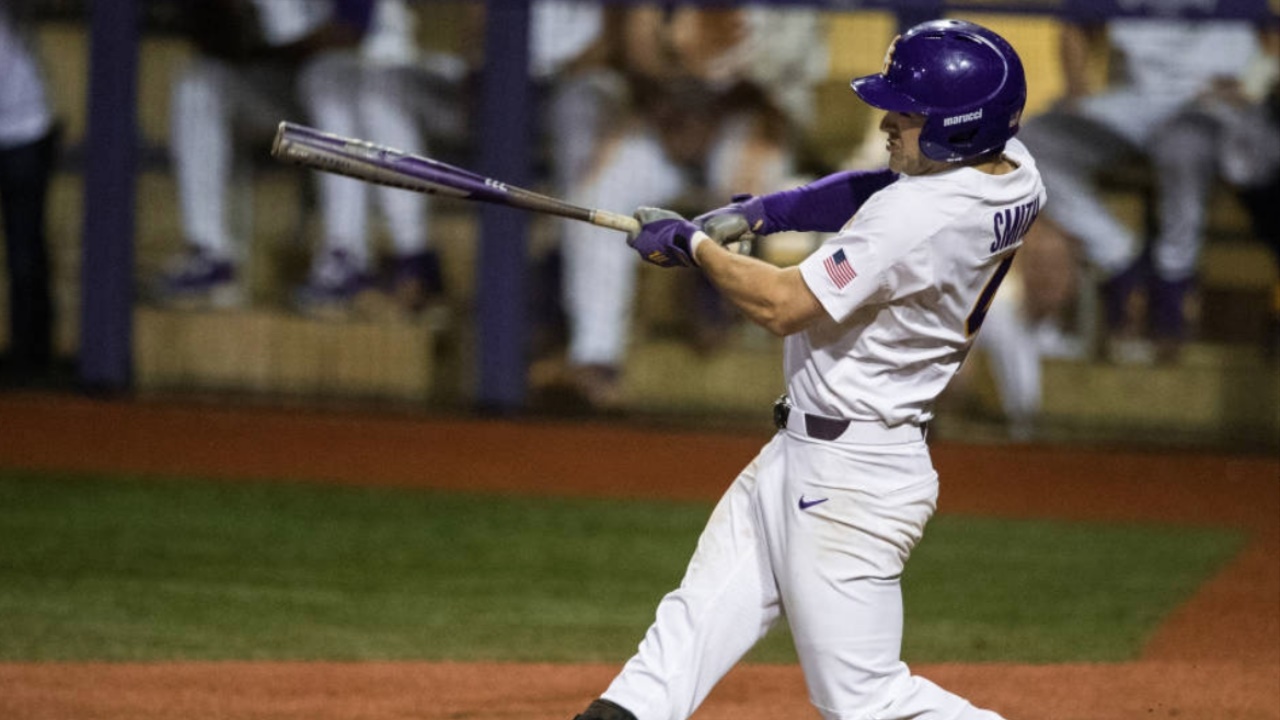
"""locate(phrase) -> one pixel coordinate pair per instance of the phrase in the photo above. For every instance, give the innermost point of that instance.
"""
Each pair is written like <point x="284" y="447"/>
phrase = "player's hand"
<point x="740" y="220"/>
<point x="665" y="238"/>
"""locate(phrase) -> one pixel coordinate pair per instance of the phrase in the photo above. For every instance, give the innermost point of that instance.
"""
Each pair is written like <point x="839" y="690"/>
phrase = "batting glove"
<point x="665" y="239"/>
<point x="740" y="220"/>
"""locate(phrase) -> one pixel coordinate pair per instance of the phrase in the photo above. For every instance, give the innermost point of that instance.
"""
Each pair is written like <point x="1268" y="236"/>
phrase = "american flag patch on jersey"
<point x="839" y="269"/>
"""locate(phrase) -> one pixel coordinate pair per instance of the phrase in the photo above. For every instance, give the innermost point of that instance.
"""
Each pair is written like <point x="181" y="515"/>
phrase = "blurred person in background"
<point x="1259" y="195"/>
<point x="375" y="91"/>
<point x="261" y="61"/>
<point x="1177" y="105"/>
<point x="580" y="92"/>
<point x="28" y="149"/>
<point x="712" y="100"/>
<point x="579" y="85"/>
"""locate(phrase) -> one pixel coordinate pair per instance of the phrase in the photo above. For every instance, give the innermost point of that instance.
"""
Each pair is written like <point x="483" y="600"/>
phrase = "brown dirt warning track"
<point x="1216" y="658"/>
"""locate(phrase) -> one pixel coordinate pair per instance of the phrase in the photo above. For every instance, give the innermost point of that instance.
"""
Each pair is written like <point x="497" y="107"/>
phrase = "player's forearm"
<point x="775" y="298"/>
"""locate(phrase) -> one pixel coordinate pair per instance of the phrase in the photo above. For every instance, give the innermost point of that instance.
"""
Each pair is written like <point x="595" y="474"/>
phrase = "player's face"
<point x="905" y="157"/>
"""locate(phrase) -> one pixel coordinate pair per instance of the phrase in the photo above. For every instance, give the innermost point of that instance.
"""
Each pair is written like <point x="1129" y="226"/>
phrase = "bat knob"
<point x="277" y="144"/>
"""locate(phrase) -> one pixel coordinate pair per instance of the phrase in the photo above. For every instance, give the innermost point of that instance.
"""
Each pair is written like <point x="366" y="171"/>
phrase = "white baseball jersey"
<point x="905" y="284"/>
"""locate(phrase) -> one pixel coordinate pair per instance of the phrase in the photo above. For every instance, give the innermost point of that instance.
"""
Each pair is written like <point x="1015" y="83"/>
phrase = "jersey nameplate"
<point x="1011" y="223"/>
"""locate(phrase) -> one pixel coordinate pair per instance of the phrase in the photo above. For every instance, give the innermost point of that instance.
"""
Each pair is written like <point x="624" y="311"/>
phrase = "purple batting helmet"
<point x="965" y="79"/>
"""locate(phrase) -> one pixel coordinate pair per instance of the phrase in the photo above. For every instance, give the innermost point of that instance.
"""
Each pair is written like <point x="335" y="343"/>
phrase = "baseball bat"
<point x="382" y="165"/>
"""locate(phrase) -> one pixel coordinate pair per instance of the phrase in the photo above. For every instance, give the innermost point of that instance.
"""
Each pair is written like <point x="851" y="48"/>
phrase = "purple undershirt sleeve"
<point x="824" y="205"/>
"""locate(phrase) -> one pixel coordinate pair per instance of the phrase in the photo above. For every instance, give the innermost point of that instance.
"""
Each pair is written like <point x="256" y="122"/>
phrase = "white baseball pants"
<point x="831" y="562"/>
<point x="211" y="98"/>
<point x="340" y="94"/>
<point x="1008" y="338"/>
<point x="599" y="267"/>
<point x="348" y="95"/>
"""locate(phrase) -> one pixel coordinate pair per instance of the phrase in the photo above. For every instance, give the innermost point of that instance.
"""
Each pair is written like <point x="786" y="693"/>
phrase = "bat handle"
<point x="615" y="221"/>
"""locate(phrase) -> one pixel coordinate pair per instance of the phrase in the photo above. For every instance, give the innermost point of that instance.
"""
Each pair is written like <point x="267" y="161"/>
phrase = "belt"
<point x="821" y="427"/>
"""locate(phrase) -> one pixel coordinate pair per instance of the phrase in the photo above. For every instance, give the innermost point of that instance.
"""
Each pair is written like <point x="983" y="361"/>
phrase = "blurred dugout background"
<point x="1223" y="390"/>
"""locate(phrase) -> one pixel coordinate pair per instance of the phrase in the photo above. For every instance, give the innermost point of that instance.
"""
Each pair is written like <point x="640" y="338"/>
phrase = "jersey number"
<point x="979" y="312"/>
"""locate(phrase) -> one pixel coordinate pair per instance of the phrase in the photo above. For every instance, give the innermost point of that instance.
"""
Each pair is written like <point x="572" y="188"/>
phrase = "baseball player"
<point x="876" y="322"/>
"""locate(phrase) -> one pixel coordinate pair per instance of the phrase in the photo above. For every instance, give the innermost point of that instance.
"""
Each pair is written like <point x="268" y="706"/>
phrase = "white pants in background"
<point x="348" y="95"/>
<point x="212" y="101"/>
<point x="1070" y="151"/>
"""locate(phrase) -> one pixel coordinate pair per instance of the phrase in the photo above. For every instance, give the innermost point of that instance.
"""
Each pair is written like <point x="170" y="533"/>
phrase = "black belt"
<point x="821" y="427"/>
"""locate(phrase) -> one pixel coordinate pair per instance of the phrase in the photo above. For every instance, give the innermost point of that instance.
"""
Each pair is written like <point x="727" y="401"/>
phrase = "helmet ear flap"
<point x="957" y="145"/>
<point x="964" y="139"/>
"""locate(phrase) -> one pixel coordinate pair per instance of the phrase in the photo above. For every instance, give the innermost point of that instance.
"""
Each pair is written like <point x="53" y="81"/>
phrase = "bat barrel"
<point x="382" y="165"/>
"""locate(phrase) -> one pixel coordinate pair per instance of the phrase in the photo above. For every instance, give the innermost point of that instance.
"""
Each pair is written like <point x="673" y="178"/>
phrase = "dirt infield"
<point x="1216" y="658"/>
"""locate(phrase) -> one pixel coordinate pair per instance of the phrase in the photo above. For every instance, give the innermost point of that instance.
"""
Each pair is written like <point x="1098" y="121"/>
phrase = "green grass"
<point x="133" y="569"/>
<point x="1050" y="591"/>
